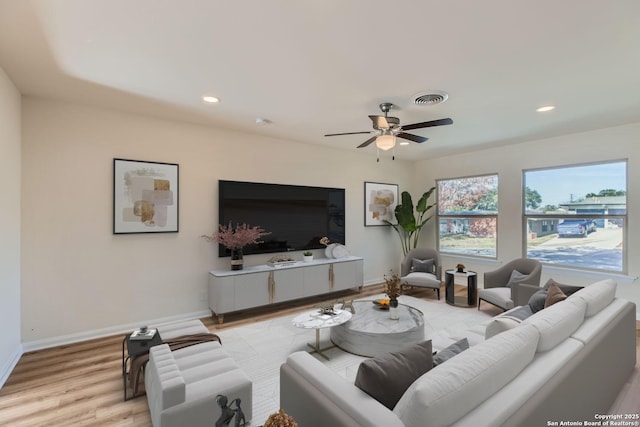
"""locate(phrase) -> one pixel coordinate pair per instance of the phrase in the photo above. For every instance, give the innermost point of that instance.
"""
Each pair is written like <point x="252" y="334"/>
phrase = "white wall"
<point x="10" y="344"/>
<point x="79" y="279"/>
<point x="508" y="162"/>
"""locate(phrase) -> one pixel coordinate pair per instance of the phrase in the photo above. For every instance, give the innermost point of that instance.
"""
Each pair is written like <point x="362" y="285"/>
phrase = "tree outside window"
<point x="468" y="215"/>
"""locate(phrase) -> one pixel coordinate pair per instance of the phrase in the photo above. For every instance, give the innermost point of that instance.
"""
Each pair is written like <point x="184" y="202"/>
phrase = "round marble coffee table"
<point x="371" y="331"/>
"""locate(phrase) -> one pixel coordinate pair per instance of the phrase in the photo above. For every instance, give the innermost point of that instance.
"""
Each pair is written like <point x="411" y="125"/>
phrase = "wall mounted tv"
<point x="297" y="216"/>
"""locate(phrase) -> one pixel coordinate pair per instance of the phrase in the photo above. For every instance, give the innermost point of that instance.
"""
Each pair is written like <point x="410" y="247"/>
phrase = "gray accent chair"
<point x="420" y="279"/>
<point x="499" y="292"/>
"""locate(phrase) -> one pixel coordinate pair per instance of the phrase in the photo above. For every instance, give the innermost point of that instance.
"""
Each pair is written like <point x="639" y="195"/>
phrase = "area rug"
<point x="260" y="348"/>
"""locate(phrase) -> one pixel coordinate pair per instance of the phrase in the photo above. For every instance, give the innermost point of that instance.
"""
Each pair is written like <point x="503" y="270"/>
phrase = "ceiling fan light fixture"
<point x="386" y="142"/>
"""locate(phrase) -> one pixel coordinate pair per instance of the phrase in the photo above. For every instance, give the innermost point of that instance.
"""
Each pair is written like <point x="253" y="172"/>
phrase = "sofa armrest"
<point x="521" y="292"/>
<point x="164" y="384"/>
<point x="496" y="278"/>
<point x="316" y="396"/>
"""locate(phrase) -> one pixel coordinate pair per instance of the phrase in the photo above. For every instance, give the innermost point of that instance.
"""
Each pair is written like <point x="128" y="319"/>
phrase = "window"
<point x="468" y="215"/>
<point x="576" y="216"/>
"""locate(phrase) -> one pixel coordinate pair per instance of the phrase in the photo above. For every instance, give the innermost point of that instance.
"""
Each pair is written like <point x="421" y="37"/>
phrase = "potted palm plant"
<point x="410" y="223"/>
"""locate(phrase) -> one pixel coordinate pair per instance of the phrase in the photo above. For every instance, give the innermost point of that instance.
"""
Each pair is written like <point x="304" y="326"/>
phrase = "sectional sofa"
<point x="566" y="362"/>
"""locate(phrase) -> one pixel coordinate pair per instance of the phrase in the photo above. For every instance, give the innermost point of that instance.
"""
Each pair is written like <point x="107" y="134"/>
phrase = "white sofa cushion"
<point x="558" y="322"/>
<point x="597" y="295"/>
<point x="421" y="279"/>
<point x="500" y="296"/>
<point x="449" y="391"/>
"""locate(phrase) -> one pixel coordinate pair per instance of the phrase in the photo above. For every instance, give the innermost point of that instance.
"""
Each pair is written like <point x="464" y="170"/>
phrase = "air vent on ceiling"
<point x="431" y="97"/>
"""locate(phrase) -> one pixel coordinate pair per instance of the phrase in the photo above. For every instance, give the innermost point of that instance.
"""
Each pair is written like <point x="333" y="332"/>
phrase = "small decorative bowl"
<point x="383" y="304"/>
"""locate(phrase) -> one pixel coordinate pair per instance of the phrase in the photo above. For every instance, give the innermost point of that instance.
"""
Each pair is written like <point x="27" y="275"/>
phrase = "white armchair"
<point x="501" y="286"/>
<point x="421" y="268"/>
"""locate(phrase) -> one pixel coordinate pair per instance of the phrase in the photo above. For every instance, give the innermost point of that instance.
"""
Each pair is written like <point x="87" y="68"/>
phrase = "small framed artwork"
<point x="380" y="202"/>
<point x="145" y="197"/>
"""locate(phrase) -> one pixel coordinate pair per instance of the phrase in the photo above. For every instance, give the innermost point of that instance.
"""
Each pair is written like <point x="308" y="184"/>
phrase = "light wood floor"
<point x="81" y="384"/>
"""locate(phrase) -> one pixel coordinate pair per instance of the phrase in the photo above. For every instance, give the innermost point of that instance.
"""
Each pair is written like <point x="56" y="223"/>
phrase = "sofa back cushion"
<point x="556" y="323"/>
<point x="452" y="389"/>
<point x="597" y="295"/>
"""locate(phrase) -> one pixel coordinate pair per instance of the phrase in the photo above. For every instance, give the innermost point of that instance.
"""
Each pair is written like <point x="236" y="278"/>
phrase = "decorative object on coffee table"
<point x="460" y="268"/>
<point x="393" y="289"/>
<point x="235" y="239"/>
<point x="347" y="305"/>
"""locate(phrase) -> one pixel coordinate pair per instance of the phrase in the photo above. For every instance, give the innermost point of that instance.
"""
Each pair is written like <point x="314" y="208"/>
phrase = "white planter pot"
<point x="307" y="258"/>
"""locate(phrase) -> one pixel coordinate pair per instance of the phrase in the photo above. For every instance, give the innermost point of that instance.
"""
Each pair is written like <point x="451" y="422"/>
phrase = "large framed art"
<point x="380" y="202"/>
<point x="145" y="197"/>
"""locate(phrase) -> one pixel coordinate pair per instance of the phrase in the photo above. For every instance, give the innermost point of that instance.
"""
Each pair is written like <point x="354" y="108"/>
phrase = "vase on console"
<point x="237" y="262"/>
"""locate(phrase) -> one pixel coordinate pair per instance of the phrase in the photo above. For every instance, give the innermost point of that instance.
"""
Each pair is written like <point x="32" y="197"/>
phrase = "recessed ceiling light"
<point x="404" y="143"/>
<point x="545" y="108"/>
<point x="210" y="99"/>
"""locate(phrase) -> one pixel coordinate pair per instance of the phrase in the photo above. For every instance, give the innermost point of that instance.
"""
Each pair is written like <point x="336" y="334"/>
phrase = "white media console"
<point x="233" y="290"/>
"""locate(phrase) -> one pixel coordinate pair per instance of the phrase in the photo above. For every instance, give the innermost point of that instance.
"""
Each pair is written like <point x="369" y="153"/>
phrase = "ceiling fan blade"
<point x="429" y="124"/>
<point x="411" y="137"/>
<point x="379" y="122"/>
<point x="347" y="133"/>
<point x="367" y="142"/>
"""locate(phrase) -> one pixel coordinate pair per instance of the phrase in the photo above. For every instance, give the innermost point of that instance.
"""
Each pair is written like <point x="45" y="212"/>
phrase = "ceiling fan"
<point x="387" y="129"/>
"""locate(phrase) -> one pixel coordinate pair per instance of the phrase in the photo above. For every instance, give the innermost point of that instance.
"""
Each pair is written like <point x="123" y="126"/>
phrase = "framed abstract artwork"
<point x="380" y="201"/>
<point x="145" y="197"/>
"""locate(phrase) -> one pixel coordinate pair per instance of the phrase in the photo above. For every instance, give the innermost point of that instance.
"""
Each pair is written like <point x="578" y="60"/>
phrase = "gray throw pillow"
<point x="516" y="276"/>
<point x="387" y="377"/>
<point x="422" y="265"/>
<point x="536" y="302"/>
<point x="446" y="354"/>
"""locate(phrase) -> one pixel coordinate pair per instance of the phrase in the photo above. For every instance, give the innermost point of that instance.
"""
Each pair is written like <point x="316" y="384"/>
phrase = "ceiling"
<point x="317" y="67"/>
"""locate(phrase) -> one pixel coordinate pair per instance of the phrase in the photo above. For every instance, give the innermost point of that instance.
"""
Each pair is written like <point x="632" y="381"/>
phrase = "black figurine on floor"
<point x="228" y="412"/>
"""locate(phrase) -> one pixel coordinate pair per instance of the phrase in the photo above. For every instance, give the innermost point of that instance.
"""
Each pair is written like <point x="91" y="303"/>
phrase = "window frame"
<point x="526" y="216"/>
<point x="493" y="216"/>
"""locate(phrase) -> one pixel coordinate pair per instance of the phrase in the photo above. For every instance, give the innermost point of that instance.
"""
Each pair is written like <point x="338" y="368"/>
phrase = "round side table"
<point x="468" y="279"/>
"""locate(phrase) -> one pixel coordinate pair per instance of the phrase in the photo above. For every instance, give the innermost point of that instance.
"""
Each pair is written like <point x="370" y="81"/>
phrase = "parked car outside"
<point x="576" y="227"/>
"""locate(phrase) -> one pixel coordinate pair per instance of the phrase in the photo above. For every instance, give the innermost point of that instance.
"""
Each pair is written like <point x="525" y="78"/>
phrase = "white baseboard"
<point x="5" y="371"/>
<point x="105" y="332"/>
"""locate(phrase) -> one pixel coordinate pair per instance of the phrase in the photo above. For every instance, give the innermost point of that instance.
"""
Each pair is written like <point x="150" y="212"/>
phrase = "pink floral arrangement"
<point x="238" y="237"/>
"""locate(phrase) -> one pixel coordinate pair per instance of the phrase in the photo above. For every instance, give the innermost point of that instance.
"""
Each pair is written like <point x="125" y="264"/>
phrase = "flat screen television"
<point x="296" y="216"/>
